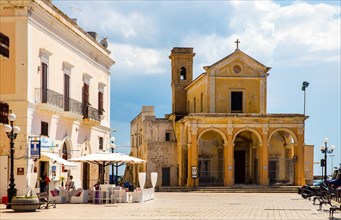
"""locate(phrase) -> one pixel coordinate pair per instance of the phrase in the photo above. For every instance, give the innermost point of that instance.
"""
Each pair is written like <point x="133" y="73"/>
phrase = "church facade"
<point x="219" y="132"/>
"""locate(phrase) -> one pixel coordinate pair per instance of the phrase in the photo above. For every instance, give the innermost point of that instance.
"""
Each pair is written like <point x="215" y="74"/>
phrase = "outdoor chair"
<point x="54" y="196"/>
<point x="118" y="196"/>
<point x="82" y="196"/>
<point x="104" y="193"/>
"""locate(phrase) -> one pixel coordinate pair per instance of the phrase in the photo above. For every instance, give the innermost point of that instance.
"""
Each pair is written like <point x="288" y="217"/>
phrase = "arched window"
<point x="183" y="73"/>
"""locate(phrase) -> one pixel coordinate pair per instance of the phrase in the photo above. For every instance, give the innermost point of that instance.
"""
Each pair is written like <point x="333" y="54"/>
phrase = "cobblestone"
<point x="272" y="206"/>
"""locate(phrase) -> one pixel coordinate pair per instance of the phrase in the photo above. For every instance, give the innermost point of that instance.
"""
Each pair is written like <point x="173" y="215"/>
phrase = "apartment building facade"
<point x="57" y="82"/>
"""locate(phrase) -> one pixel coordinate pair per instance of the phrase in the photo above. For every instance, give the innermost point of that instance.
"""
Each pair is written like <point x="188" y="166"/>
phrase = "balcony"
<point x="49" y="100"/>
<point x="54" y="102"/>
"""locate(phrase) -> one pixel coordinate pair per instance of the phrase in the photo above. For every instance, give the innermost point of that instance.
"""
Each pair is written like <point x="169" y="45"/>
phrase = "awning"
<point x="58" y="159"/>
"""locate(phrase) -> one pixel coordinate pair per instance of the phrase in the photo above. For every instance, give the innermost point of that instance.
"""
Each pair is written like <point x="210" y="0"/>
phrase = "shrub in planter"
<point x="25" y="203"/>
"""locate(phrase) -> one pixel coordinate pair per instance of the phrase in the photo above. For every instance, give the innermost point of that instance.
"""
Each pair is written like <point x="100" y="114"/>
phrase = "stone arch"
<point x="281" y="148"/>
<point x="213" y="129"/>
<point x="85" y="148"/>
<point x="247" y="156"/>
<point x="253" y="131"/>
<point x="66" y="150"/>
<point x="294" y="136"/>
<point x="211" y="157"/>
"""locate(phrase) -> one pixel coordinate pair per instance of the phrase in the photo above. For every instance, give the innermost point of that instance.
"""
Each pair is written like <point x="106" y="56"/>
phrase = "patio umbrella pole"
<point x="116" y="174"/>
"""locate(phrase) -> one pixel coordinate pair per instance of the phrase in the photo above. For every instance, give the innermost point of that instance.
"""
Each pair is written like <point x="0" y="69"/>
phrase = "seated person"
<point x="70" y="184"/>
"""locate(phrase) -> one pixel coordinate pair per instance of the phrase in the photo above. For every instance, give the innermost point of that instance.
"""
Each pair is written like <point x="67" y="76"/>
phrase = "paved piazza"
<point x="188" y="206"/>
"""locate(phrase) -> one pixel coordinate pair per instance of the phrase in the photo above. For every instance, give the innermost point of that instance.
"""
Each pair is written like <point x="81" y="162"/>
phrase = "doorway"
<point x="86" y="177"/>
<point x="165" y="176"/>
<point x="273" y="171"/>
<point x="43" y="172"/>
<point x="239" y="166"/>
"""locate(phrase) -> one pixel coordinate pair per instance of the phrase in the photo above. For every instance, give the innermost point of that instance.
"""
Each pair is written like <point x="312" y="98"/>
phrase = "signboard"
<point x="20" y="171"/>
<point x="46" y="142"/>
<point x="194" y="172"/>
<point x="35" y="148"/>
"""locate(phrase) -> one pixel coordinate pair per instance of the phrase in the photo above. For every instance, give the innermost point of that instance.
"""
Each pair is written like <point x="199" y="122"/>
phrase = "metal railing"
<point x="93" y="114"/>
<point x="49" y="96"/>
<point x="75" y="106"/>
<point x="56" y="99"/>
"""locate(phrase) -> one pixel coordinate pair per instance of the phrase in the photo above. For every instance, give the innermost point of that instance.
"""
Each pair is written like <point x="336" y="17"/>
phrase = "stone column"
<point x="264" y="158"/>
<point x="180" y="156"/>
<point x="192" y="154"/>
<point x="189" y="165"/>
<point x="229" y="157"/>
<point x="300" y="157"/>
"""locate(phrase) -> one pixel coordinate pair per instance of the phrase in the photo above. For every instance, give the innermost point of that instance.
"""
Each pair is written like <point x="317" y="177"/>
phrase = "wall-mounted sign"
<point x="35" y="148"/>
<point x="20" y="171"/>
<point x="194" y="172"/>
<point x="46" y="142"/>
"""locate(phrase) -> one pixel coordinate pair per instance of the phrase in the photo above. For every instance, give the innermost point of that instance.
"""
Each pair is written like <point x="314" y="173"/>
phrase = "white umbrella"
<point x="105" y="158"/>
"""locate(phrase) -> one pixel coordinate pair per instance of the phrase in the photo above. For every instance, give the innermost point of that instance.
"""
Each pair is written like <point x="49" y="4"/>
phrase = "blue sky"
<point x="300" y="40"/>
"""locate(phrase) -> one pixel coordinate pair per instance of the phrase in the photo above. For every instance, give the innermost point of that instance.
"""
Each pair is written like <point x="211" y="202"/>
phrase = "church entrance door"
<point x="239" y="166"/>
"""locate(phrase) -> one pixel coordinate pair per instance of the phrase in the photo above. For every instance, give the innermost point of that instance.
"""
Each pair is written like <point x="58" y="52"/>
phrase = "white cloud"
<point x="289" y="35"/>
<point x="137" y="60"/>
<point x="313" y="28"/>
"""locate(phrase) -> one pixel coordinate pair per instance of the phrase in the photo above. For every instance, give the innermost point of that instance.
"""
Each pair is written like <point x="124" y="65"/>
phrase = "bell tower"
<point x="182" y="75"/>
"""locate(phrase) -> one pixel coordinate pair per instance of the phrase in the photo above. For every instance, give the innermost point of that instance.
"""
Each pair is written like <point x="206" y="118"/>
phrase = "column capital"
<point x="229" y="128"/>
<point x="194" y="129"/>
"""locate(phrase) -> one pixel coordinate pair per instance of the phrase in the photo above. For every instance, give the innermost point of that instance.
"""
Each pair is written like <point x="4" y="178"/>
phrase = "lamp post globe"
<point x="11" y="132"/>
<point x="325" y="149"/>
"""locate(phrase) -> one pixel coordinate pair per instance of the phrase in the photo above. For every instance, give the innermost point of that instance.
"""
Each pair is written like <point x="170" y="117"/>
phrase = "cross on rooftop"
<point x="237" y="42"/>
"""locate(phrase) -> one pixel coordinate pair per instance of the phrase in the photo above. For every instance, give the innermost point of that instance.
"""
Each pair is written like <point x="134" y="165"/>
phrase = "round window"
<point x="237" y="69"/>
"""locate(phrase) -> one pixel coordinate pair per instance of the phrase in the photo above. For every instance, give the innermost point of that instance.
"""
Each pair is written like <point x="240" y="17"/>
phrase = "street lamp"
<point x="325" y="149"/>
<point x="305" y="84"/>
<point x="12" y="132"/>
<point x="112" y="146"/>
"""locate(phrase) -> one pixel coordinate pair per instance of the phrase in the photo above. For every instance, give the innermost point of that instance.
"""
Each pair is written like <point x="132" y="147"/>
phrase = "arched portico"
<point x="281" y="156"/>
<point x="211" y="157"/>
<point x="246" y="156"/>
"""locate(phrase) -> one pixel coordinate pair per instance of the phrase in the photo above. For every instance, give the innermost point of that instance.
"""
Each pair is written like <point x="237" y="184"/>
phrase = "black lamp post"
<point x="305" y="84"/>
<point x="112" y="146"/>
<point x="325" y="149"/>
<point x="12" y="132"/>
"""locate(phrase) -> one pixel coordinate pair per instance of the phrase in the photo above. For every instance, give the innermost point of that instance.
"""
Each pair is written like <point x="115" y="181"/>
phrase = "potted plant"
<point x="62" y="179"/>
<point x="25" y="203"/>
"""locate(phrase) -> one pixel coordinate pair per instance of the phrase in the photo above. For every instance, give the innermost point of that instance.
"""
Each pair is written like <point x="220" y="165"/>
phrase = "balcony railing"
<point x="49" y="96"/>
<point x="53" y="98"/>
<point x="75" y="106"/>
<point x="93" y="114"/>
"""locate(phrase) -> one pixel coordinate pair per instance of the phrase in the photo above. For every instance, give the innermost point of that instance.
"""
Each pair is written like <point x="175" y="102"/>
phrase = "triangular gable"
<point x="237" y="62"/>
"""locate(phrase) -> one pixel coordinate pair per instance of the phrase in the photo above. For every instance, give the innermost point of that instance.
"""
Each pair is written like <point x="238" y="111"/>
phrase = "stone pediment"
<point x="238" y="64"/>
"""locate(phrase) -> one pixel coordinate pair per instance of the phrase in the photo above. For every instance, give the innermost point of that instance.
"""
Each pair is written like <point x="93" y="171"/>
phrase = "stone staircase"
<point x="233" y="189"/>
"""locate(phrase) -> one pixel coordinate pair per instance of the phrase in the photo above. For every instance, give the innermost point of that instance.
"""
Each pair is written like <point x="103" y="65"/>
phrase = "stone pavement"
<point x="188" y="206"/>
